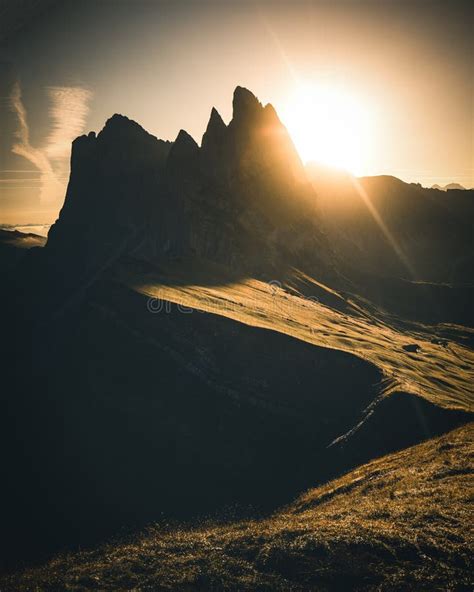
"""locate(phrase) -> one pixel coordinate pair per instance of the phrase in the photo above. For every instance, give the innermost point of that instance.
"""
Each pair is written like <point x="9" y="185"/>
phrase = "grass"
<point x="441" y="370"/>
<point x="401" y="522"/>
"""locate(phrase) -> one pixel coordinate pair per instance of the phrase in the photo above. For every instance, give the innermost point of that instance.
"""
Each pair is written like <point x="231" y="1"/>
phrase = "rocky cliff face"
<point x="114" y="185"/>
<point x="235" y="200"/>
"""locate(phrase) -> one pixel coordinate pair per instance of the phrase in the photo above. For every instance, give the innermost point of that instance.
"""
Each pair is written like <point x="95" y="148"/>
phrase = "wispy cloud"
<point x="68" y="112"/>
<point x="23" y="147"/>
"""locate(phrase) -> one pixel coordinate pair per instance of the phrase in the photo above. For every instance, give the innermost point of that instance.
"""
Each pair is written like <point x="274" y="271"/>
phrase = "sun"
<point x="330" y="126"/>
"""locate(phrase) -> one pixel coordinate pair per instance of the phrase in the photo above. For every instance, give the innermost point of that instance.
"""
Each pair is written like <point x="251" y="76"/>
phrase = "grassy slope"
<point x="401" y="522"/>
<point x="442" y="371"/>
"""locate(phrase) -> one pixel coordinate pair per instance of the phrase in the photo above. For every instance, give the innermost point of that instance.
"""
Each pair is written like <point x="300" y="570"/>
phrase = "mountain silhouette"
<point x="448" y="186"/>
<point x="233" y="200"/>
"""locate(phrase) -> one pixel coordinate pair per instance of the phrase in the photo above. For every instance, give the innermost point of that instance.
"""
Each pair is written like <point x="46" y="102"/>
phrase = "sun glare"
<point x="329" y="126"/>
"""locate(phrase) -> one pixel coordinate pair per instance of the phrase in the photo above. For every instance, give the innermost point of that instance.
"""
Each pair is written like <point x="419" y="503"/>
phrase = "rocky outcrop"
<point x="114" y="184"/>
<point x="233" y="200"/>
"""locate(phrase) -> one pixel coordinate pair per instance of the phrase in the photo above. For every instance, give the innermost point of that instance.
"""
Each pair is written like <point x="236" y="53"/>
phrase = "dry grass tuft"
<point x="402" y="522"/>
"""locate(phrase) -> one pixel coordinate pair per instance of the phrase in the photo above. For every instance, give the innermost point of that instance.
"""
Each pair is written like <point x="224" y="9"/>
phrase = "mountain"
<point x="405" y="248"/>
<point x="448" y="187"/>
<point x="209" y="329"/>
<point x="244" y="200"/>
<point x="395" y="228"/>
<point x="233" y="200"/>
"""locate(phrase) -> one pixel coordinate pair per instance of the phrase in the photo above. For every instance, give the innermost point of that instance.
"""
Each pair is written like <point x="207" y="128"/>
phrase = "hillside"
<point x="208" y="328"/>
<point x="406" y="248"/>
<point x="439" y="368"/>
<point x="401" y="522"/>
<point x="136" y="408"/>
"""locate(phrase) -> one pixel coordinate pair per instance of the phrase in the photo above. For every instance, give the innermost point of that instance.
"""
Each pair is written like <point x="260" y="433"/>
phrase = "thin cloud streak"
<point x="68" y="111"/>
<point x="22" y="171"/>
<point x="24" y="148"/>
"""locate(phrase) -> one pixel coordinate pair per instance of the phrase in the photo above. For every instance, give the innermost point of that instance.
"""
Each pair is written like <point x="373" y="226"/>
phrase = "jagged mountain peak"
<point x="215" y="118"/>
<point x="185" y="139"/>
<point x="183" y="149"/>
<point x="239" y="190"/>
<point x="215" y="130"/>
<point x="122" y="127"/>
<point x="270" y="114"/>
<point x="244" y="103"/>
<point x="118" y="119"/>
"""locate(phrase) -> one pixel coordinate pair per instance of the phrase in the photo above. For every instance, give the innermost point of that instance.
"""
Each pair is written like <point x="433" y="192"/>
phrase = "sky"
<point x="378" y="87"/>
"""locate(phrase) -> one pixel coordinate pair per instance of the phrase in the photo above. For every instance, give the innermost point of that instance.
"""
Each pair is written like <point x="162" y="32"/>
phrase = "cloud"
<point x="24" y="148"/>
<point x="68" y="112"/>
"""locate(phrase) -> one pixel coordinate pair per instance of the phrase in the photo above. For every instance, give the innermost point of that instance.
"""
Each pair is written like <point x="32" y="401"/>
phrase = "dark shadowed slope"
<point x="402" y="522"/>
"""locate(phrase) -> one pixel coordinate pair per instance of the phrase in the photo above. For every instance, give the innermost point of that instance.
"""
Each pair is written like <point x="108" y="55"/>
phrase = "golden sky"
<point x="379" y="87"/>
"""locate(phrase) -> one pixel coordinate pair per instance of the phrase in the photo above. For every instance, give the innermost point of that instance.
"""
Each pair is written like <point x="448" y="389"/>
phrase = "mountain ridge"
<point x="160" y="188"/>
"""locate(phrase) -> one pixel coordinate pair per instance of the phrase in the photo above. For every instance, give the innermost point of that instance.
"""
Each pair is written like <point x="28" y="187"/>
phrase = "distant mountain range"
<point x="448" y="187"/>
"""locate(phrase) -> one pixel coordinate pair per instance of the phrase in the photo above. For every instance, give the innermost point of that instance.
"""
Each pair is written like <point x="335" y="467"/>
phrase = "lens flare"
<point x="331" y="126"/>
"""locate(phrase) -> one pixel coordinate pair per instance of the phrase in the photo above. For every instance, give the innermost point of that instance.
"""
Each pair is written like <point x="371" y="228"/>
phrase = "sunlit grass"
<point x="401" y="522"/>
<point x="441" y="373"/>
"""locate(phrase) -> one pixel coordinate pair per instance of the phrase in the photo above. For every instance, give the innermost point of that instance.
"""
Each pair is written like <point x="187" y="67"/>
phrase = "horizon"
<point x="349" y="80"/>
